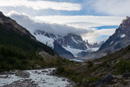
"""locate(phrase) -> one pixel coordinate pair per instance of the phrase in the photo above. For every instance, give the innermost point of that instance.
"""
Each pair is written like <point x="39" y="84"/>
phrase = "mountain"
<point x="120" y="39"/>
<point x="68" y="46"/>
<point x="11" y="33"/>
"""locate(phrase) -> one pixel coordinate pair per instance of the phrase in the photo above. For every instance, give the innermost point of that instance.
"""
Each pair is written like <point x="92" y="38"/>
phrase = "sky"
<point x="94" y="20"/>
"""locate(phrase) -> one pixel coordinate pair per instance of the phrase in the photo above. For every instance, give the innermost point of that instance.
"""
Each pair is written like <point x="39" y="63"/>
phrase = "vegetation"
<point x="12" y="58"/>
<point x="123" y="66"/>
<point x="86" y="74"/>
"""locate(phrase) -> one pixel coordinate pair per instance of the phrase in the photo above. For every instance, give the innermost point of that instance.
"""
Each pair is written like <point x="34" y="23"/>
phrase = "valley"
<point x="34" y="54"/>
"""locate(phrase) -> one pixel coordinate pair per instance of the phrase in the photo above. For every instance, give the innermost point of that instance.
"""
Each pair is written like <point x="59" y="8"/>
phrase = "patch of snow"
<point x="46" y="40"/>
<point x="74" y="51"/>
<point x="95" y="49"/>
<point x="88" y="48"/>
<point x="74" y="40"/>
<point x="41" y="77"/>
<point x="80" y="41"/>
<point x="111" y="42"/>
<point x="123" y="35"/>
<point x="76" y="60"/>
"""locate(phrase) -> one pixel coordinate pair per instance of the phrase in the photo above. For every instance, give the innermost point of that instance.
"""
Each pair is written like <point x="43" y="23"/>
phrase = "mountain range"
<point x="71" y="44"/>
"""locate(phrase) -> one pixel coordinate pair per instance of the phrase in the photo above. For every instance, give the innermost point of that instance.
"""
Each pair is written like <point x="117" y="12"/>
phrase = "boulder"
<point x="107" y="79"/>
<point x="23" y="74"/>
<point x="126" y="75"/>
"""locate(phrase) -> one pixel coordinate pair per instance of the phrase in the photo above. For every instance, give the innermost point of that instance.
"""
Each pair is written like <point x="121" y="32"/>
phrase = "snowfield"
<point x="42" y="78"/>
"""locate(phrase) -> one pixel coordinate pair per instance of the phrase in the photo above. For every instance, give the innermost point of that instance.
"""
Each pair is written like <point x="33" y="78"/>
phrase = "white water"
<point x="41" y="77"/>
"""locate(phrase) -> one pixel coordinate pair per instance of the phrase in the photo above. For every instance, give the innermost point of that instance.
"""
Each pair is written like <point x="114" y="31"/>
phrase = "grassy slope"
<point x="88" y="73"/>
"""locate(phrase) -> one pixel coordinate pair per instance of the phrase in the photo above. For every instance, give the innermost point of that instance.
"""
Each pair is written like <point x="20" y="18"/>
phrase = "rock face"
<point x="72" y="40"/>
<point x="120" y="39"/>
<point x="62" y="52"/>
<point x="12" y="24"/>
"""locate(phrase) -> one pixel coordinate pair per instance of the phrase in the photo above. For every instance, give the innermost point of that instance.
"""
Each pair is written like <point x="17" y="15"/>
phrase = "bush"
<point x="90" y="79"/>
<point x="12" y="58"/>
<point x="89" y="64"/>
<point x="123" y="66"/>
<point x="60" y="70"/>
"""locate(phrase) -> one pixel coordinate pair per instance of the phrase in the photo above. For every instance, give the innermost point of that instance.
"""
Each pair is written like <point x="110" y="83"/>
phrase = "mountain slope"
<point x="13" y="34"/>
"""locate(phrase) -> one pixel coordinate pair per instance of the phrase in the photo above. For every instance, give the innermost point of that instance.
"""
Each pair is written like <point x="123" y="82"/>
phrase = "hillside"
<point x="11" y="33"/>
<point x="112" y="70"/>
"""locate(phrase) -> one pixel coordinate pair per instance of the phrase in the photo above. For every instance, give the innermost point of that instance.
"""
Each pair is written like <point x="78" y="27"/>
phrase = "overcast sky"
<point x="94" y="20"/>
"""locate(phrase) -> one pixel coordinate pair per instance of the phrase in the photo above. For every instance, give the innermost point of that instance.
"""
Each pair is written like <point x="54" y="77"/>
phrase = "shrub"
<point x="123" y="66"/>
<point x="89" y="64"/>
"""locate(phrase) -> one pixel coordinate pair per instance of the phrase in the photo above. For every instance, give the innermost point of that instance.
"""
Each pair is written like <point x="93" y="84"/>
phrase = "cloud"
<point x="96" y="36"/>
<point x="39" y="5"/>
<point x="57" y="29"/>
<point x="111" y="7"/>
<point x="54" y="24"/>
<point x="82" y="21"/>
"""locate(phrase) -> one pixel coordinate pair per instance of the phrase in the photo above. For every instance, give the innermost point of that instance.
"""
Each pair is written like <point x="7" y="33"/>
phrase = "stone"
<point x="23" y="74"/>
<point x="126" y="75"/>
<point x="107" y="79"/>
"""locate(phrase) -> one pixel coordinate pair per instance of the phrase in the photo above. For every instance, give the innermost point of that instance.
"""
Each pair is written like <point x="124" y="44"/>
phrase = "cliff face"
<point x="120" y="39"/>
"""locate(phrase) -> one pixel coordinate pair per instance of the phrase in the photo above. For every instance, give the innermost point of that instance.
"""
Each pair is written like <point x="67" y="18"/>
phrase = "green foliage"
<point x="89" y="64"/>
<point x="12" y="58"/>
<point x="90" y="79"/>
<point x="60" y="70"/>
<point x="123" y="66"/>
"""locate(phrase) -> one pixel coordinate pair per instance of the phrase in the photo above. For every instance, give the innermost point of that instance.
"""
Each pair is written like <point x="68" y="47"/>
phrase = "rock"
<point x="107" y="79"/>
<point x="63" y="79"/>
<point x="126" y="75"/>
<point x="99" y="82"/>
<point x="23" y="74"/>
